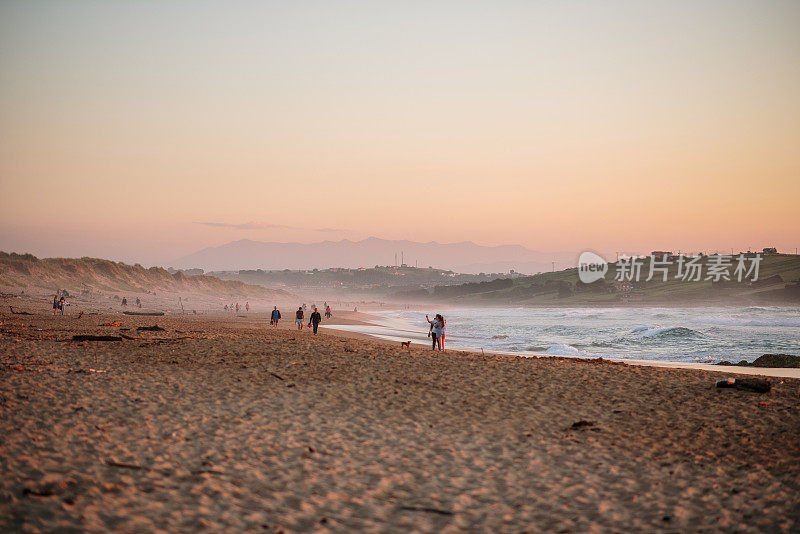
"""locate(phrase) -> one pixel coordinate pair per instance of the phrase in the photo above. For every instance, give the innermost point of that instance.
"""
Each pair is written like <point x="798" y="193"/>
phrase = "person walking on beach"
<point x="314" y="320"/>
<point x="55" y="304"/>
<point x="62" y="303"/>
<point x="327" y="311"/>
<point x="444" y="332"/>
<point x="237" y="307"/>
<point x="436" y="330"/>
<point x="299" y="315"/>
<point x="276" y="315"/>
<point x="247" y="306"/>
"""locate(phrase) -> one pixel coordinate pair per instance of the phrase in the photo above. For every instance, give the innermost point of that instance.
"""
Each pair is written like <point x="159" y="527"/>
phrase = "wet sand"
<point x="219" y="422"/>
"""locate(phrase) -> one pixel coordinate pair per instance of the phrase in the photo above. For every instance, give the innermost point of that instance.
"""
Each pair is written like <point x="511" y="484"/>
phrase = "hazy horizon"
<point x="147" y="131"/>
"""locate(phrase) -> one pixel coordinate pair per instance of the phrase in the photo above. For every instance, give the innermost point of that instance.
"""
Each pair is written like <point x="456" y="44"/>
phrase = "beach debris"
<point x="67" y="488"/>
<point x="19" y="312"/>
<point x="154" y="328"/>
<point x="279" y="377"/>
<point x="123" y="465"/>
<point x="758" y="385"/>
<point x="428" y="509"/>
<point x="115" y="323"/>
<point x="207" y="472"/>
<point x="91" y="337"/>
<point x="348" y="349"/>
<point x="581" y="424"/>
<point x="149" y="314"/>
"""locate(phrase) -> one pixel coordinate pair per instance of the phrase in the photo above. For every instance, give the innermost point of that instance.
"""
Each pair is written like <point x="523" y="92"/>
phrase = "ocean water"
<point x="705" y="335"/>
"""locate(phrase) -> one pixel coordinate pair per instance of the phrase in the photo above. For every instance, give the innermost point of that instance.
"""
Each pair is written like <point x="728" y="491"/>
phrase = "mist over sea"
<point x="705" y="335"/>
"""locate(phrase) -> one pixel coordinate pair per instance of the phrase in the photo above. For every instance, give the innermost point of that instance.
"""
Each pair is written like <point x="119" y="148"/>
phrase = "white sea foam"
<point x="563" y="350"/>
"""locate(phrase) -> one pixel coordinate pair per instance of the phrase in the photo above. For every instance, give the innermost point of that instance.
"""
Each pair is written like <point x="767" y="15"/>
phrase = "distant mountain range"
<point x="465" y="257"/>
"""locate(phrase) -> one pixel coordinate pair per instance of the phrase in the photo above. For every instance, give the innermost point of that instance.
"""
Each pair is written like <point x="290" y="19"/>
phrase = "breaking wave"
<point x="670" y="331"/>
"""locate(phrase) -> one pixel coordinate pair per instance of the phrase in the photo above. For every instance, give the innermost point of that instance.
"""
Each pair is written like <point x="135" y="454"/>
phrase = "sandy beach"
<point x="219" y="422"/>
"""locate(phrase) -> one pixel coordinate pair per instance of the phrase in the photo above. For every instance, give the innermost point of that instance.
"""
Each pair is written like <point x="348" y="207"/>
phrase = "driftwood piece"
<point x="149" y="314"/>
<point x="124" y="465"/>
<point x="428" y="509"/>
<point x="758" y="385"/>
<point x="90" y="337"/>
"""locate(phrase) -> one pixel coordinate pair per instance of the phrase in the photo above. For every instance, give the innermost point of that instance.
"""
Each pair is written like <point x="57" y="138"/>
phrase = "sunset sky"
<point x="613" y="126"/>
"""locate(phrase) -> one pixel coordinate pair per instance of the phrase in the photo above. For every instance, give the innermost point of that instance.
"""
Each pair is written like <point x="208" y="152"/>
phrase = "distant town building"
<point x="770" y="250"/>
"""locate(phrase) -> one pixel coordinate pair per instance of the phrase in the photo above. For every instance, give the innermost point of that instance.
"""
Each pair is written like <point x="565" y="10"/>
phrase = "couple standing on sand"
<point x="313" y="320"/>
<point x="436" y="333"/>
<point x="58" y="305"/>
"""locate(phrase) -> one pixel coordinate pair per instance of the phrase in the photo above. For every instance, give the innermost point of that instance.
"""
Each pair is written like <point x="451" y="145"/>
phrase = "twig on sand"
<point x="426" y="509"/>
<point x="279" y="377"/>
<point x="90" y="337"/>
<point x="156" y="339"/>
<point x="124" y="465"/>
<point x="207" y="472"/>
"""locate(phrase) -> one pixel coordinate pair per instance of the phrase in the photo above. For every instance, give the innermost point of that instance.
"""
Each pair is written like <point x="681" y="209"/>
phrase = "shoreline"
<point x="774" y="372"/>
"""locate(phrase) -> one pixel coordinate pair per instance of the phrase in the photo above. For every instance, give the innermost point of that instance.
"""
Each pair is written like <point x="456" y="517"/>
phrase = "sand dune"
<point x="92" y="274"/>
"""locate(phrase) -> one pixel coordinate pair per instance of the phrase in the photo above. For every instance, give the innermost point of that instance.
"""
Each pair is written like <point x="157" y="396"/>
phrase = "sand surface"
<point x="221" y="423"/>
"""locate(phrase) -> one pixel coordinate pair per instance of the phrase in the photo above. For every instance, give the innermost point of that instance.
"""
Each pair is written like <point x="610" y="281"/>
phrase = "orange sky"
<point x="614" y="126"/>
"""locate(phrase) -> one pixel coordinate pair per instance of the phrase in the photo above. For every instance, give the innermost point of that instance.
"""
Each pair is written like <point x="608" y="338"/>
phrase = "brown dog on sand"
<point x="406" y="344"/>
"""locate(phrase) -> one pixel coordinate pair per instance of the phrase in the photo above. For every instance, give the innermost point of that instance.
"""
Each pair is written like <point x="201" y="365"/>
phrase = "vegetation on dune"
<point x="26" y="270"/>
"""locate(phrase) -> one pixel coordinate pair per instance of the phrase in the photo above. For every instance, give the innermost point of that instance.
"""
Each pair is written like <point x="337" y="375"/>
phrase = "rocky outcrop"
<point x="769" y="360"/>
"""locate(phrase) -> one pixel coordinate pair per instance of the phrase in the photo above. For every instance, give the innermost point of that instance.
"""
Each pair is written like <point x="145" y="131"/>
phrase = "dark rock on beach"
<point x="777" y="360"/>
<point x="769" y="360"/>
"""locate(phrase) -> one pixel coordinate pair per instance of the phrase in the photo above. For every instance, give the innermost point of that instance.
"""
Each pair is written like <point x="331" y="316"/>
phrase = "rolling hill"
<point x="778" y="284"/>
